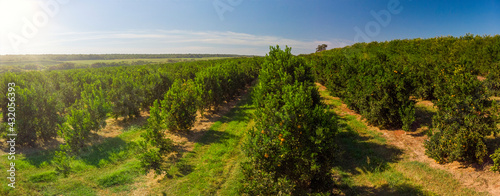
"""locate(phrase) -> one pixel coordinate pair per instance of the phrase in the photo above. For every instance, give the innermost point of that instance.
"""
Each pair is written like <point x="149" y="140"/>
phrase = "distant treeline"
<point x="76" y="57"/>
<point x="69" y="65"/>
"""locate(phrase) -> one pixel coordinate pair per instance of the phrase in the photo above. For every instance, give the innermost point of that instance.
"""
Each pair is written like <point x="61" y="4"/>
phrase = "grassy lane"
<point x="213" y="167"/>
<point x="368" y="165"/>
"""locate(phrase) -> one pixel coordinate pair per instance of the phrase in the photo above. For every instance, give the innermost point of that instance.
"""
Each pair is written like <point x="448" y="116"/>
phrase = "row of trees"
<point x="74" y="103"/>
<point x="46" y="99"/>
<point x="210" y="88"/>
<point x="379" y="88"/>
<point x="382" y="80"/>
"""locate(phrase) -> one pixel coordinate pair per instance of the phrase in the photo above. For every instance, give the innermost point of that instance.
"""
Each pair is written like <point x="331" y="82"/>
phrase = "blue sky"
<point x="229" y="26"/>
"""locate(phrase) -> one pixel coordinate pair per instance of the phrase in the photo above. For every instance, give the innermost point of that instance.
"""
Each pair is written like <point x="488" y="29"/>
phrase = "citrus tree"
<point x="290" y="148"/>
<point x="463" y="120"/>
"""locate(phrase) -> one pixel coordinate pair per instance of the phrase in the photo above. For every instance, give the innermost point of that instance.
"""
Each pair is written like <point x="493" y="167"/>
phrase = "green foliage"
<point x="381" y="95"/>
<point x="281" y="68"/>
<point x="36" y="115"/>
<point x="496" y="160"/>
<point x="492" y="81"/>
<point x="463" y="120"/>
<point x="377" y="79"/>
<point x="222" y="83"/>
<point x="373" y="84"/>
<point x="155" y="146"/>
<point x="156" y="85"/>
<point x="89" y="114"/>
<point x="151" y="158"/>
<point x="126" y="95"/>
<point x="290" y="148"/>
<point x="76" y="130"/>
<point x="94" y="102"/>
<point x="265" y="183"/>
<point x="62" y="161"/>
<point x="154" y="133"/>
<point x="179" y="106"/>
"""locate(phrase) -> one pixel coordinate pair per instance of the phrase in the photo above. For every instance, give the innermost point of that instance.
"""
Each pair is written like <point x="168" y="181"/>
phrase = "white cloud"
<point x="169" y="41"/>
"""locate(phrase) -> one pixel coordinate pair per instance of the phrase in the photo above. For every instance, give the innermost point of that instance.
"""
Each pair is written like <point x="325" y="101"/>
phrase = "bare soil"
<point x="476" y="177"/>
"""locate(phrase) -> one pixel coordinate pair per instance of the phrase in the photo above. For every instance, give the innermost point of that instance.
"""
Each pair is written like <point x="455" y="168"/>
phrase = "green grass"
<point x="213" y="167"/>
<point x="118" y="177"/>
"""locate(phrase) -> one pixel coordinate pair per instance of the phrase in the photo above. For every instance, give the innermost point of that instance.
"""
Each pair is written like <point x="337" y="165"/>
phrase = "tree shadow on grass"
<point x="423" y="118"/>
<point x="363" y="153"/>
<point x="104" y="151"/>
<point x="212" y="136"/>
<point x="183" y="169"/>
<point x="37" y="158"/>
<point x="386" y="190"/>
<point x="90" y="154"/>
<point x="359" y="153"/>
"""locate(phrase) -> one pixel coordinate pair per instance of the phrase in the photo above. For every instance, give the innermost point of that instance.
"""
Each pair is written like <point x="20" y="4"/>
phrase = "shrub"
<point x="127" y="96"/>
<point x="88" y="114"/>
<point x="492" y="81"/>
<point x="294" y="141"/>
<point x="155" y="146"/>
<point x="290" y="148"/>
<point x="381" y="94"/>
<point x="463" y="119"/>
<point x="151" y="158"/>
<point x="281" y="68"/>
<point x="179" y="106"/>
<point x="39" y="110"/>
<point x="496" y="160"/>
<point x="154" y="134"/>
<point x="265" y="183"/>
<point x="76" y="130"/>
<point x="62" y="161"/>
<point x="157" y="84"/>
<point x="95" y="103"/>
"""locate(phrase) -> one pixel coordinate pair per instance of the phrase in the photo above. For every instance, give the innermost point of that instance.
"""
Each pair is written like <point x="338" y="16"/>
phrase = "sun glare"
<point x="12" y="13"/>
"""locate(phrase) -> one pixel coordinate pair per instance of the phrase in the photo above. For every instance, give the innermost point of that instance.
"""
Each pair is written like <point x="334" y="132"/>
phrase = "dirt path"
<point x="478" y="178"/>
